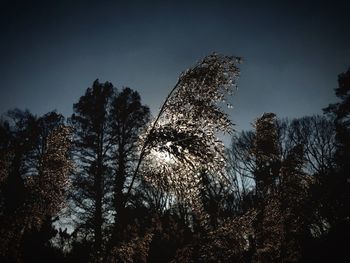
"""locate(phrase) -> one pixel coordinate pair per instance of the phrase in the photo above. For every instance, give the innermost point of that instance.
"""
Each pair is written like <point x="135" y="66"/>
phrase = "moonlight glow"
<point x="162" y="157"/>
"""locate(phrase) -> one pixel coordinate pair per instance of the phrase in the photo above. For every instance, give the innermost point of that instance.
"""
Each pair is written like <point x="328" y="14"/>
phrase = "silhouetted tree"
<point x="339" y="186"/>
<point x="317" y="135"/>
<point x="92" y="141"/>
<point x="128" y="117"/>
<point x="292" y="194"/>
<point x="334" y="185"/>
<point x="107" y="126"/>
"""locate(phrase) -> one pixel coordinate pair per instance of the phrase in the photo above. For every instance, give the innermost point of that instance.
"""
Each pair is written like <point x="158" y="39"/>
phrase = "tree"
<point x="106" y="125"/>
<point x="35" y="179"/>
<point x="128" y="117"/>
<point x="267" y="165"/>
<point x="273" y="162"/>
<point x="334" y="188"/>
<point x="317" y="134"/>
<point x="339" y="195"/>
<point x="91" y="126"/>
<point x="293" y="193"/>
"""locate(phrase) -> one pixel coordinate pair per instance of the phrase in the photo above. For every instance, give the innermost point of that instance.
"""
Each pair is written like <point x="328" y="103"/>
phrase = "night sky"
<point x="293" y="51"/>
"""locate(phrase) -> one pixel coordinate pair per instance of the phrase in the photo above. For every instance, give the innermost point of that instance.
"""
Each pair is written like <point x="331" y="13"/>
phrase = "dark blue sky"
<point x="293" y="51"/>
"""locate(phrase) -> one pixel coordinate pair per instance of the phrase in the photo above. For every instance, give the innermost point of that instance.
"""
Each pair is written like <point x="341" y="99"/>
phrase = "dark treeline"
<point x="112" y="184"/>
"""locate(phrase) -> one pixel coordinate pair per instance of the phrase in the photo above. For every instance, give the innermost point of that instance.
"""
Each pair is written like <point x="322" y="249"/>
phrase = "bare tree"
<point x="317" y="134"/>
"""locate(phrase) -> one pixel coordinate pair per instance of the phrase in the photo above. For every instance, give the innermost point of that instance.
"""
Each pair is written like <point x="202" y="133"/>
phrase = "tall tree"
<point x="107" y="124"/>
<point x="35" y="179"/>
<point x="267" y="164"/>
<point x="335" y="186"/>
<point x="127" y="119"/>
<point x="339" y="195"/>
<point x="91" y="126"/>
<point x="276" y="163"/>
<point x="292" y="194"/>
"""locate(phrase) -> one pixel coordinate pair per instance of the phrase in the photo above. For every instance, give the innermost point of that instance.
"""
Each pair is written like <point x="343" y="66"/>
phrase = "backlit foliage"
<point x="182" y="141"/>
<point x="227" y="243"/>
<point x="281" y="188"/>
<point x="48" y="188"/>
<point x="136" y="250"/>
<point x="44" y="192"/>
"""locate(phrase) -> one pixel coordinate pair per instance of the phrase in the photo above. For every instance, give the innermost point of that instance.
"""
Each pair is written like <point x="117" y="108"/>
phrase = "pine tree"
<point x="91" y="126"/>
<point x="106" y="126"/>
<point x="339" y="185"/>
<point x="128" y="118"/>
